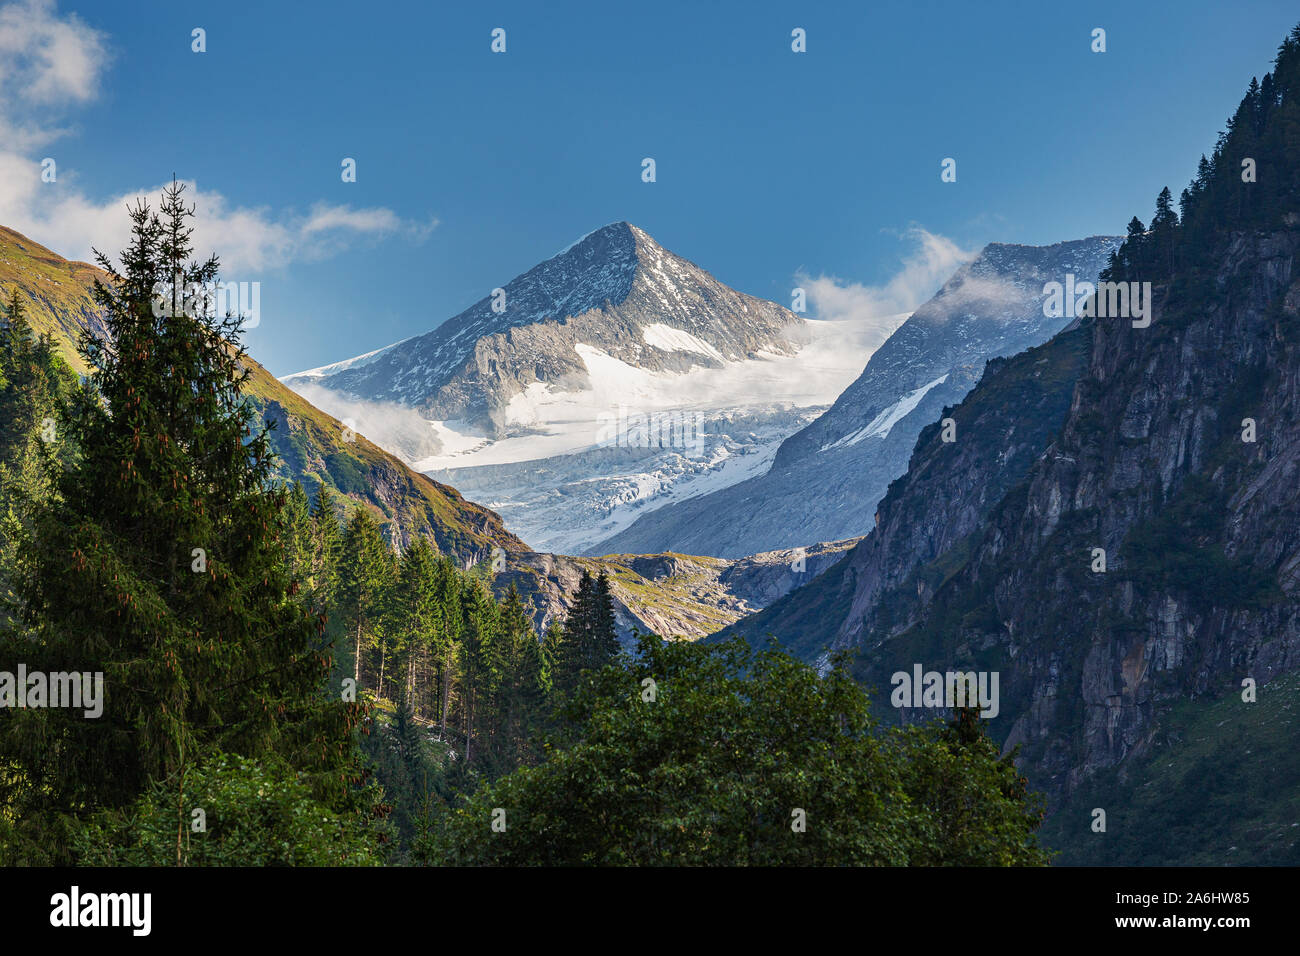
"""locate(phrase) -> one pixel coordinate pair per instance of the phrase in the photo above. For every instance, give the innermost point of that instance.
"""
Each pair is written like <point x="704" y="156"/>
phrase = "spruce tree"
<point x="298" y="540"/>
<point x="327" y="542"/>
<point x="523" y="692"/>
<point x="365" y="576"/>
<point x="590" y="638"/>
<point x="552" y="639"/>
<point x="1164" y="225"/>
<point x="34" y="383"/>
<point x="417" y="613"/>
<point x="604" y="627"/>
<point x="484" y="667"/>
<point x="571" y="650"/>
<point x="447" y="642"/>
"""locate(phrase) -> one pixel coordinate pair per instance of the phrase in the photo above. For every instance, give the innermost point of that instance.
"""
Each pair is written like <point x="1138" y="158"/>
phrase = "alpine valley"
<point x="725" y="558"/>
<point x="614" y="560"/>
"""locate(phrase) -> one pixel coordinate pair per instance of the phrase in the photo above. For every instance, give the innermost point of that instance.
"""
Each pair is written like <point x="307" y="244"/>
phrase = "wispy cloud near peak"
<point x="933" y="261"/>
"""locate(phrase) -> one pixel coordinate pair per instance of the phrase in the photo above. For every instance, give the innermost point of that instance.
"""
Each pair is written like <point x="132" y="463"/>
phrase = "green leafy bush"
<point x="254" y="813"/>
<point x="720" y="767"/>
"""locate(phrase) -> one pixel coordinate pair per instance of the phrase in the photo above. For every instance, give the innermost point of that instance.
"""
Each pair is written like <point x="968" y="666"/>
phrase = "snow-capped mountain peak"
<point x="616" y="290"/>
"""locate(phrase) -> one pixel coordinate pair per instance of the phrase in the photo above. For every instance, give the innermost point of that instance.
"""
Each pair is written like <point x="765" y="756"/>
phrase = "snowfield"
<point x="882" y="424"/>
<point x="568" y="421"/>
<point x="584" y="461"/>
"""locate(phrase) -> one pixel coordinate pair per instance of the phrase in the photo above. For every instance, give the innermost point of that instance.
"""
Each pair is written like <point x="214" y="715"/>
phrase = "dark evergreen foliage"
<point x="1252" y="181"/>
<point x="158" y="561"/>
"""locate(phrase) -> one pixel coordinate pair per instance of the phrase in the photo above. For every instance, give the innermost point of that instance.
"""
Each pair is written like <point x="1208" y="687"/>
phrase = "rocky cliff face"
<point x="984" y="554"/>
<point x="827" y="478"/>
<point x="946" y="495"/>
<point x="1201" y="528"/>
<point x="1135" y="583"/>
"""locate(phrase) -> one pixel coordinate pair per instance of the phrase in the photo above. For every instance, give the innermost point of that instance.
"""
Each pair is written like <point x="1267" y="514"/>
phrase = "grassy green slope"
<point x="55" y="291"/>
<point x="314" y="447"/>
<point x="1221" y="785"/>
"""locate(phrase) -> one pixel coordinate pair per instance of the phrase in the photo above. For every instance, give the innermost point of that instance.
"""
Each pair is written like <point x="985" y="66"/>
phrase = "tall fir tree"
<point x="159" y="563"/>
<point x="297" y="531"/>
<point x="590" y="639"/>
<point x="418" y="615"/>
<point x="327" y="543"/>
<point x="604" y="626"/>
<point x="365" y="576"/>
<point x="484" y="667"/>
<point x="522" y="692"/>
<point x="35" y="382"/>
<point x="446" y="650"/>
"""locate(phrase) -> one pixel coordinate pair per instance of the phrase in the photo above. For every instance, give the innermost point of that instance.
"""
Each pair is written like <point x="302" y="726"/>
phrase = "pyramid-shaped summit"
<point x="615" y="290"/>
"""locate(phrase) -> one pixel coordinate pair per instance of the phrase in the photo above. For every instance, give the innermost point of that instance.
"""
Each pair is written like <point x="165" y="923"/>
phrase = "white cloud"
<point x="46" y="62"/>
<point x="924" y="271"/>
<point x="51" y="63"/>
<point x="398" y="429"/>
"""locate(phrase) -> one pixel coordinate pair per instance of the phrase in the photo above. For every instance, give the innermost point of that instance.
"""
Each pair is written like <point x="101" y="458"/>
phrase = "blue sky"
<point x="474" y="166"/>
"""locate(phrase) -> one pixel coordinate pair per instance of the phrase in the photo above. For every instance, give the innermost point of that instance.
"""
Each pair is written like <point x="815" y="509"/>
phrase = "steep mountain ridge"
<point x="946" y="495"/>
<point x="1201" y="529"/>
<point x="1135" y="582"/>
<point x="56" y="291"/>
<point x="314" y="448"/>
<point x="984" y="555"/>
<point x="992" y="307"/>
